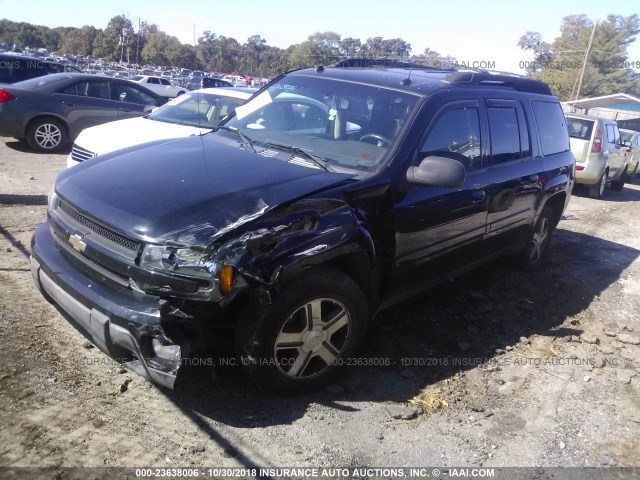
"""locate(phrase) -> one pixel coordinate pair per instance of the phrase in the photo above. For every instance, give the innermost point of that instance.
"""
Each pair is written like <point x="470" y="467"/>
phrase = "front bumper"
<point x="121" y="322"/>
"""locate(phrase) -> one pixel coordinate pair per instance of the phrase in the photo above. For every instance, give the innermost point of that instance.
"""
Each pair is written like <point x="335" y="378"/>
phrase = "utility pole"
<point x="138" y="43"/>
<point x="586" y="58"/>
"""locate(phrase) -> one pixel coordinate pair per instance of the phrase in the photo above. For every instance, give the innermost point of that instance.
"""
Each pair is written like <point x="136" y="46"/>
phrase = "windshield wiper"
<point x="245" y="141"/>
<point x="317" y="159"/>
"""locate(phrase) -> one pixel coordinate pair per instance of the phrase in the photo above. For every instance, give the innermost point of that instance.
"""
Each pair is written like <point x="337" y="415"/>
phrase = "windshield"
<point x="204" y="110"/>
<point x="346" y="124"/>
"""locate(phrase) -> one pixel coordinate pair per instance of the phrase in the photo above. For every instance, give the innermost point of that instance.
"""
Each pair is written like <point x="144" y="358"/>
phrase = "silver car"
<point x="599" y="152"/>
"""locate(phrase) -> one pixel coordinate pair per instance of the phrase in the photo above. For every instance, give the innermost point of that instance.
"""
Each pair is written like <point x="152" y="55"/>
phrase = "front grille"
<point x="99" y="229"/>
<point x="80" y="154"/>
<point x="107" y="272"/>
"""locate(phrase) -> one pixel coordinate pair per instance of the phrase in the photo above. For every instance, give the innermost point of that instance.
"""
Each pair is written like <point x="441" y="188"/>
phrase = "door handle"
<point x="478" y="196"/>
<point x="68" y="103"/>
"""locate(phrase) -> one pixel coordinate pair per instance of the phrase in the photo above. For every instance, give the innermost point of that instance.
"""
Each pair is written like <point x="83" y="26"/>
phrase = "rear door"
<point x="514" y="171"/>
<point x="87" y="103"/>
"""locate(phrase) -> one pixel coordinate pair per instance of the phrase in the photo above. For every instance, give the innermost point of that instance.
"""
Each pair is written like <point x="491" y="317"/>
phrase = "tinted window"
<point x="505" y="134"/>
<point x="456" y="134"/>
<point x="18" y="69"/>
<point x="551" y="126"/>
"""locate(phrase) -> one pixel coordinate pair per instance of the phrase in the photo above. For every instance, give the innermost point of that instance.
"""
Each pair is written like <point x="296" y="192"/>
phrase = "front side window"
<point x="456" y="134"/>
<point x="349" y="125"/>
<point x="132" y="94"/>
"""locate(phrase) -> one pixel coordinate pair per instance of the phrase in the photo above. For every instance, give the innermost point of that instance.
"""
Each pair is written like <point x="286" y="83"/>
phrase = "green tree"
<point x="350" y="47"/>
<point x="320" y="48"/>
<point x="109" y="43"/>
<point x="379" y="47"/>
<point x="560" y="63"/>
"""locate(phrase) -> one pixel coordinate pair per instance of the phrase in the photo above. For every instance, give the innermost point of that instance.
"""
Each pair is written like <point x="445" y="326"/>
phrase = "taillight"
<point x="629" y="149"/>
<point x="579" y="168"/>
<point x="5" y="96"/>
<point x="597" y="142"/>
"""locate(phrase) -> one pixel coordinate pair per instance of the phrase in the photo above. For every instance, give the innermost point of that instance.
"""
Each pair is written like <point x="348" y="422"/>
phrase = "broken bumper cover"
<point x="122" y="323"/>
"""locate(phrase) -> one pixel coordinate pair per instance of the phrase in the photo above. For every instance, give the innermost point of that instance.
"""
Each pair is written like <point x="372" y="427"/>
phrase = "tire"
<point x="618" y="185"/>
<point x="286" y="352"/>
<point x="597" y="190"/>
<point x="46" y="135"/>
<point x="535" y="253"/>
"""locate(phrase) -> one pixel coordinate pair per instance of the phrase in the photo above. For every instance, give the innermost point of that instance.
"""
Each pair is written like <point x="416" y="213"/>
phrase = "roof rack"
<point x="490" y="77"/>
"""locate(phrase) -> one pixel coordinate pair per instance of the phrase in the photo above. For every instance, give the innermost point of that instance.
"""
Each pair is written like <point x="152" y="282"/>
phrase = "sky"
<point x="478" y="33"/>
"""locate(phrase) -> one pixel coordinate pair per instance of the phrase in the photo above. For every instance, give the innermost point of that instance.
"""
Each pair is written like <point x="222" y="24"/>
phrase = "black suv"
<point x="197" y="83"/>
<point x="16" y="68"/>
<point x="331" y="195"/>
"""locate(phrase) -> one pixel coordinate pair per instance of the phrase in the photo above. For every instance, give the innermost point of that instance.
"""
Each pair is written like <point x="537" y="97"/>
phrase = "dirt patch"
<point x="496" y="368"/>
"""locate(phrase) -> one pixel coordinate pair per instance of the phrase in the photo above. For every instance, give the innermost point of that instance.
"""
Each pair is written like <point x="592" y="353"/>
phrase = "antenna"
<point x="407" y="81"/>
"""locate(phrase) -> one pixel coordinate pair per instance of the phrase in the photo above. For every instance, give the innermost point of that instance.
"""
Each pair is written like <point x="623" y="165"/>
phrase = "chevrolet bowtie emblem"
<point x="77" y="243"/>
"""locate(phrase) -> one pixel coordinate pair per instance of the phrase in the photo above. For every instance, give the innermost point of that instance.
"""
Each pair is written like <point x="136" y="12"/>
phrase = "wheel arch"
<point x="557" y="203"/>
<point x="40" y="116"/>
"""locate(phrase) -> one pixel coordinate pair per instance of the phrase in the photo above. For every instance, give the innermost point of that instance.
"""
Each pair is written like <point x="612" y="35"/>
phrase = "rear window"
<point x="551" y="126"/>
<point x="46" y="80"/>
<point x="580" y="128"/>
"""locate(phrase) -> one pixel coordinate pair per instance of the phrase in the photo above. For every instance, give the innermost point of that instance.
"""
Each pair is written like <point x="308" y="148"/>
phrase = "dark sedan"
<point x="52" y="110"/>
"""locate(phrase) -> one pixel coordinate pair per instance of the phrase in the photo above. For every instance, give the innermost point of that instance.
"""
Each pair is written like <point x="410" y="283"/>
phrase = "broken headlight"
<point x="181" y="261"/>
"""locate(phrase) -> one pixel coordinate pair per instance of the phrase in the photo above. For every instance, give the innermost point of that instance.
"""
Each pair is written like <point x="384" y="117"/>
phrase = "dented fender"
<point x="270" y="251"/>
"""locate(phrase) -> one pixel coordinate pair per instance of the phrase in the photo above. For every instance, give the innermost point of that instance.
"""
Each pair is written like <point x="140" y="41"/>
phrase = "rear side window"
<point x="509" y="132"/>
<point x="613" y="134"/>
<point x="551" y="126"/>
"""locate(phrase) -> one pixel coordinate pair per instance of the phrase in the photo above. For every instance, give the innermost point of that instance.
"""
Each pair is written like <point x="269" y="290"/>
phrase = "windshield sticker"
<point x="260" y="101"/>
<point x="285" y="86"/>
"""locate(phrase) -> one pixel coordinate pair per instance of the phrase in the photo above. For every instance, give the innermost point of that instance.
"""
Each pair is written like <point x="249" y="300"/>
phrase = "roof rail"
<point x="487" y="77"/>
<point x="388" y="62"/>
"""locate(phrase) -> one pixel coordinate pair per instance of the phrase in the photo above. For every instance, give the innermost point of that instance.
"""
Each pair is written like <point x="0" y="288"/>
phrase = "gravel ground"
<point x="497" y="368"/>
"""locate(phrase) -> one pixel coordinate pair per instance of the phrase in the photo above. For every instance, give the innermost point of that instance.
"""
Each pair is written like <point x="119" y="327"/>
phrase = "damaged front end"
<point x="150" y="305"/>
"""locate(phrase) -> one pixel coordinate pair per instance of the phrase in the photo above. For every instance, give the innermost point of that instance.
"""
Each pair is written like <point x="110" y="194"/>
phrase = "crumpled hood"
<point x="117" y="135"/>
<point x="189" y="191"/>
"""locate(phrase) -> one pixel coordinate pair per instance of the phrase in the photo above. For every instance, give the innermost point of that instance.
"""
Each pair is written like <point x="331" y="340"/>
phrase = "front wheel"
<point x="533" y="256"/>
<point x="299" y="342"/>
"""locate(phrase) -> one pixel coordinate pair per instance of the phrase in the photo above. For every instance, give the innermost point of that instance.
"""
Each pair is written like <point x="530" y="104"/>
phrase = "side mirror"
<point x="436" y="171"/>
